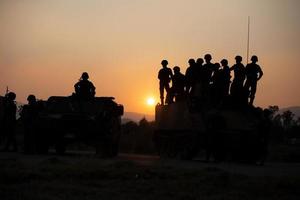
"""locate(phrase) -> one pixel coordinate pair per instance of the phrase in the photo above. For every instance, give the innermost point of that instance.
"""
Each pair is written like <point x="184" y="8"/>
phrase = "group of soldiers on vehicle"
<point x="84" y="90"/>
<point x="210" y="80"/>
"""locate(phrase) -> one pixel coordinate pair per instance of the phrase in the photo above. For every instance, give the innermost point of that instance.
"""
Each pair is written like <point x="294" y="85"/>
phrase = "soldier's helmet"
<point x="11" y="96"/>
<point x="238" y="58"/>
<point x="207" y="57"/>
<point x="164" y="62"/>
<point x="200" y="60"/>
<point x="217" y="65"/>
<point x="85" y="76"/>
<point x="31" y="98"/>
<point x="192" y="61"/>
<point x="224" y="62"/>
<point x="176" y="69"/>
<point x="254" y="58"/>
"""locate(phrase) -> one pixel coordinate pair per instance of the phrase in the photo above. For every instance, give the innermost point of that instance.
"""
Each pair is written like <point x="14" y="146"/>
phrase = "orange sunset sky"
<point x="45" y="45"/>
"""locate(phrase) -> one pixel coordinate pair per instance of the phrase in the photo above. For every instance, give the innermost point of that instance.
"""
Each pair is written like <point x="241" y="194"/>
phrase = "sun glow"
<point x="150" y="101"/>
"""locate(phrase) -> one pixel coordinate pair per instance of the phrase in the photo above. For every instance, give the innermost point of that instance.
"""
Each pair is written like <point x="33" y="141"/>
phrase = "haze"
<point x="46" y="45"/>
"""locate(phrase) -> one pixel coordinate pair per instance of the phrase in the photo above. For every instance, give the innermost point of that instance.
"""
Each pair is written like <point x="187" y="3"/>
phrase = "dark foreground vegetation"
<point x="56" y="178"/>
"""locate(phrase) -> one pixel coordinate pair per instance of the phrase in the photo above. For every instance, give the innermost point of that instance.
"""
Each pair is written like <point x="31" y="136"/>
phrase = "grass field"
<point x="93" y="178"/>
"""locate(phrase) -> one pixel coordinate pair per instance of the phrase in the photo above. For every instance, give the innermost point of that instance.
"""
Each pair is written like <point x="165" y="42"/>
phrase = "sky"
<point x="45" y="45"/>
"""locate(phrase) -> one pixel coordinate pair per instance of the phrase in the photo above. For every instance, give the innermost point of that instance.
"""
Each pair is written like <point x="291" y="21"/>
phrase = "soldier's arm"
<point x="171" y="73"/>
<point x="92" y="86"/>
<point x="76" y="87"/>
<point x="260" y="73"/>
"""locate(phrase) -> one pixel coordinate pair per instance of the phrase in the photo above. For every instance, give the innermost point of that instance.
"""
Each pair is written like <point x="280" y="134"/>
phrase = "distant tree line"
<point x="285" y="125"/>
<point x="137" y="137"/>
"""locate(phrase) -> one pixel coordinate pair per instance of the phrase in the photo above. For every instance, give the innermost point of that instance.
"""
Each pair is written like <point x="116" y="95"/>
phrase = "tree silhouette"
<point x="287" y="119"/>
<point x="274" y="109"/>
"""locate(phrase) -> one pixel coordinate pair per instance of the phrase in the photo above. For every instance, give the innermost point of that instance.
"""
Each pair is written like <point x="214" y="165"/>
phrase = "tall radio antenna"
<point x="248" y="39"/>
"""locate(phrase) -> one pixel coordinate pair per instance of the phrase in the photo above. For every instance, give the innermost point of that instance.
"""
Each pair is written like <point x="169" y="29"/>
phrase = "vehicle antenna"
<point x="248" y="39"/>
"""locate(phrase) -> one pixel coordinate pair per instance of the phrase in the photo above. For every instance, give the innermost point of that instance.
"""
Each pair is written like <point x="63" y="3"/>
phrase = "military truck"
<point x="64" y="120"/>
<point x="223" y="133"/>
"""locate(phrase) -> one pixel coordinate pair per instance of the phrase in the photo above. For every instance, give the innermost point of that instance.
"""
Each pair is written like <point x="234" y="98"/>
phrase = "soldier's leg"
<point x="168" y="91"/>
<point x="252" y="92"/>
<point x="172" y="94"/>
<point x="161" y="91"/>
<point x="247" y="88"/>
<point x="234" y="91"/>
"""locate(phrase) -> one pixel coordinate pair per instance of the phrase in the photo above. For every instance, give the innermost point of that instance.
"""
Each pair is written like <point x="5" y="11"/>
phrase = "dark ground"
<point x="81" y="175"/>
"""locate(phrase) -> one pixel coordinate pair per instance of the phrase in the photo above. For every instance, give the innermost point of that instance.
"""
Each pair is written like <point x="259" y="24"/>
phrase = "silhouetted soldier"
<point x="178" y="84"/>
<point x="199" y="77"/>
<point x="9" y="120"/>
<point x="199" y="64"/>
<point x="225" y="78"/>
<point x="253" y="74"/>
<point x="236" y="90"/>
<point x="29" y="116"/>
<point x="216" y="84"/>
<point x="84" y="89"/>
<point x="164" y="75"/>
<point x="208" y="69"/>
<point x="190" y="75"/>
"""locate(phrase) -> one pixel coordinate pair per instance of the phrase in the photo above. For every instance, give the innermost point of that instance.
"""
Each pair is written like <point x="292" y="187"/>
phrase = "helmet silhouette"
<point x="254" y="58"/>
<point x="207" y="57"/>
<point x="192" y="61"/>
<point x="164" y="62"/>
<point x="176" y="69"/>
<point x="224" y="62"/>
<point x="238" y="58"/>
<point x="85" y="76"/>
<point x="200" y="60"/>
<point x="31" y="98"/>
<point x="11" y="96"/>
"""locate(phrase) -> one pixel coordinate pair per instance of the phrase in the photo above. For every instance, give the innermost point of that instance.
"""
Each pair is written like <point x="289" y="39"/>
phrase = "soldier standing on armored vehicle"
<point x="84" y="89"/>
<point x="198" y="87"/>
<point x="236" y="90"/>
<point x="253" y="74"/>
<point x="191" y="75"/>
<point x="178" y="84"/>
<point x="9" y="121"/>
<point x="29" y="116"/>
<point x="225" y="79"/>
<point x="165" y="76"/>
<point x="216" y="84"/>
<point x="208" y="69"/>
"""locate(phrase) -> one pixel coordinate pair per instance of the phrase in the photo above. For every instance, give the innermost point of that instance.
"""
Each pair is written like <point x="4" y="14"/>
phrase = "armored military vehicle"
<point x="1" y="117"/>
<point x="224" y="133"/>
<point x="64" y="120"/>
<point x="1" y="106"/>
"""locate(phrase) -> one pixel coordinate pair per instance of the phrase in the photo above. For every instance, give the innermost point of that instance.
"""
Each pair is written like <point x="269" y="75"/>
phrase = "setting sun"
<point x="150" y="101"/>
